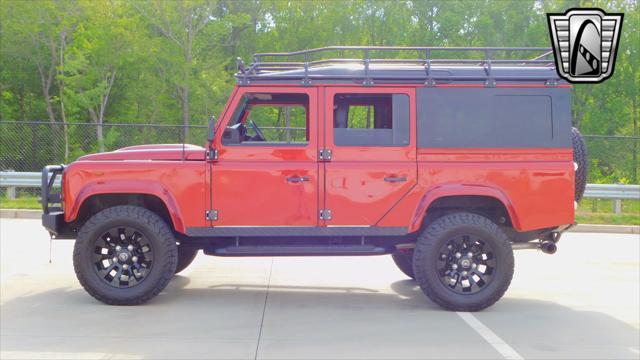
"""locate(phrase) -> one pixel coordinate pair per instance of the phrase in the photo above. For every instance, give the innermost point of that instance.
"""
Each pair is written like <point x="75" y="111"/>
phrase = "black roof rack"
<point x="430" y="65"/>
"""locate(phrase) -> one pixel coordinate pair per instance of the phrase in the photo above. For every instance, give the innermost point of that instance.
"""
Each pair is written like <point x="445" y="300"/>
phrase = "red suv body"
<point x="321" y="158"/>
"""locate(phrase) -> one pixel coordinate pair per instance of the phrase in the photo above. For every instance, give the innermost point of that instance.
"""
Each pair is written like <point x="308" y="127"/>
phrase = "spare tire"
<point x="580" y="158"/>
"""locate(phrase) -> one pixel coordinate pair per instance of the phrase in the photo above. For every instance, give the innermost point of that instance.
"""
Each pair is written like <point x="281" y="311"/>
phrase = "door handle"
<point x="297" y="179"/>
<point x="394" y="179"/>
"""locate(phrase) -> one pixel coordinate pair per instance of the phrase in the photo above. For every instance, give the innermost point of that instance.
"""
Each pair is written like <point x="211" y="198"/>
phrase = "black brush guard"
<point x="52" y="211"/>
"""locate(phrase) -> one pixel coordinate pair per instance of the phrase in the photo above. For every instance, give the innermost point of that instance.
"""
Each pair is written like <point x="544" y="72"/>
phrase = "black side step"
<point x="298" y="250"/>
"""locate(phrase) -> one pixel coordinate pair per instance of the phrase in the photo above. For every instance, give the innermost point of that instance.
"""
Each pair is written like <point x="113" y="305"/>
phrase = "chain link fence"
<point x="29" y="146"/>
<point x="613" y="159"/>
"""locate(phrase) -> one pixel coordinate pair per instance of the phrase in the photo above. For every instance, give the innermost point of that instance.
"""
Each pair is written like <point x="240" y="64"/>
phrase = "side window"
<point x="267" y="119"/>
<point x="371" y="119"/>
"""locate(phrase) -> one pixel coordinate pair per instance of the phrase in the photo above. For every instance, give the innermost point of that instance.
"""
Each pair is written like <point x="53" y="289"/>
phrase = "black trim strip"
<point x="259" y="231"/>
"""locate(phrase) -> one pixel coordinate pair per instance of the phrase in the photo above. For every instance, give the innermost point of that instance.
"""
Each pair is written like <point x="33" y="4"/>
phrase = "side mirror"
<point x="211" y="132"/>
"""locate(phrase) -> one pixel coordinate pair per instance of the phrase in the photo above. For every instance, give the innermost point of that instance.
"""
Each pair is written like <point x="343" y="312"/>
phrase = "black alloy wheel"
<point x="466" y="264"/>
<point x="123" y="256"/>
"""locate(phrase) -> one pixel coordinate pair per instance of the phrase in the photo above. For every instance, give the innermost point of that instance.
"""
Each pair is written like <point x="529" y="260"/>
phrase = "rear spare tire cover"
<point x="580" y="158"/>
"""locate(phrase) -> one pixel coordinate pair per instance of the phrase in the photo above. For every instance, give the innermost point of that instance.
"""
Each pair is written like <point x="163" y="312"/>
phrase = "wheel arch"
<point x="150" y="196"/>
<point x="485" y="200"/>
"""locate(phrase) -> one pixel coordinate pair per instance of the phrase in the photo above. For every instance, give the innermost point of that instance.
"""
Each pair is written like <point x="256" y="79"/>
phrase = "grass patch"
<point x="22" y="202"/>
<point x="599" y="211"/>
<point x="605" y="206"/>
<point x="608" y="219"/>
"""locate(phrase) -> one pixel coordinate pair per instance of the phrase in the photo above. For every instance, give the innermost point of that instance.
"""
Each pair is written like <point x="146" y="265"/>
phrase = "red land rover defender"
<point x="447" y="165"/>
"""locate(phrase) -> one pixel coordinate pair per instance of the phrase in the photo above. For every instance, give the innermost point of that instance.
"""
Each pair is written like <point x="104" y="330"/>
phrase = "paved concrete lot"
<point x="582" y="302"/>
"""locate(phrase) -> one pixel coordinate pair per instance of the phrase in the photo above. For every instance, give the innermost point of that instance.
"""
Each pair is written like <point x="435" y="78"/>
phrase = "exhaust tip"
<point x="548" y="247"/>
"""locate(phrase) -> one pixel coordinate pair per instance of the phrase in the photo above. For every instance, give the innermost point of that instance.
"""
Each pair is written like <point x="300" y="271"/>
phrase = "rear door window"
<point x="371" y="119"/>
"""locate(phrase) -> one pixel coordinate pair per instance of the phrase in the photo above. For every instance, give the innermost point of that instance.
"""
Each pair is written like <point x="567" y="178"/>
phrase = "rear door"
<point x="371" y="136"/>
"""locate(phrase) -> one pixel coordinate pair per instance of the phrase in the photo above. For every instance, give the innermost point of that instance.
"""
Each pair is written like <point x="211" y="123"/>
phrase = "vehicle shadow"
<point x="216" y="321"/>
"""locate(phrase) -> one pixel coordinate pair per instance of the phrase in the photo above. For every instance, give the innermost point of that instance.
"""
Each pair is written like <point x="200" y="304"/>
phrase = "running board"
<point x="298" y="250"/>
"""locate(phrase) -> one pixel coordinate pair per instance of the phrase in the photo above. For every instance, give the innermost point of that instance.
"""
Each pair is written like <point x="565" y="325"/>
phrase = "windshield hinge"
<point x="211" y="215"/>
<point x="324" y="154"/>
<point x="325" y="214"/>
<point x="212" y="154"/>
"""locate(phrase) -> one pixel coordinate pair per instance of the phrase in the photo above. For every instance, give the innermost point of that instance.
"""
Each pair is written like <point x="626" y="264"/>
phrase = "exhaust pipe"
<point x="547" y="247"/>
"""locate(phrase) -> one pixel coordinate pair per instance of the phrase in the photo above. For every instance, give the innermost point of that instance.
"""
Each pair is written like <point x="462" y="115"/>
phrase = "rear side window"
<point x="493" y="118"/>
<point x="371" y="119"/>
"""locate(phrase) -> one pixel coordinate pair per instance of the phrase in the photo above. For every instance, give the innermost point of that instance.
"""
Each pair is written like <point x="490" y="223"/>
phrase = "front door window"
<point x="269" y="119"/>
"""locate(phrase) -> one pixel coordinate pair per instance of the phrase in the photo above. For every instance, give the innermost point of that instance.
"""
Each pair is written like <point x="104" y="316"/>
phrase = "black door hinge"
<point x="324" y="154"/>
<point x="211" y="215"/>
<point x="325" y="214"/>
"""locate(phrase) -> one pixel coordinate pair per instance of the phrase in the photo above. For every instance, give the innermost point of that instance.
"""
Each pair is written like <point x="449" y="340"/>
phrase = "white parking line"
<point x="494" y="340"/>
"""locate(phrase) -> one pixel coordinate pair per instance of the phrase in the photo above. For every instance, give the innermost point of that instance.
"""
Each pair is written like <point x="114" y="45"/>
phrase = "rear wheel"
<point x="404" y="261"/>
<point x="125" y="255"/>
<point x="186" y="255"/>
<point x="463" y="262"/>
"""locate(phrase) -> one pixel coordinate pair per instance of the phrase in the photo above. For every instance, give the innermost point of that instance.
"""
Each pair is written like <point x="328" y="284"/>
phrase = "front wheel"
<point x="125" y="255"/>
<point x="463" y="262"/>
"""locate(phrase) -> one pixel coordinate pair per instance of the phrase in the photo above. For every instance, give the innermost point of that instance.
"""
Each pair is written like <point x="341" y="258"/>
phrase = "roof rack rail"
<point x="301" y="65"/>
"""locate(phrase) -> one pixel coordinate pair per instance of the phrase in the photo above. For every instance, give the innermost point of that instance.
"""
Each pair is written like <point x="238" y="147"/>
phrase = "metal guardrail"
<point x="597" y="191"/>
<point x="22" y="179"/>
<point x="613" y="191"/>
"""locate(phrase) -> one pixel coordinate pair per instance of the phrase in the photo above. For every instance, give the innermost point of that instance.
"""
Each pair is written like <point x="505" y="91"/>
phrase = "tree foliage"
<point x="172" y="62"/>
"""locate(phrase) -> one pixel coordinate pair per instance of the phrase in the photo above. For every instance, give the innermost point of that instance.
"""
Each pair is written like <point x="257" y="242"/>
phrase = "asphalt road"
<point x="582" y="302"/>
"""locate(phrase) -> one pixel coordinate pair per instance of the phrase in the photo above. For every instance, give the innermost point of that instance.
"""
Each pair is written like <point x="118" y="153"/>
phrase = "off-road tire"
<point x="186" y="255"/>
<point x="427" y="250"/>
<point x="404" y="261"/>
<point x="580" y="158"/>
<point x="155" y="230"/>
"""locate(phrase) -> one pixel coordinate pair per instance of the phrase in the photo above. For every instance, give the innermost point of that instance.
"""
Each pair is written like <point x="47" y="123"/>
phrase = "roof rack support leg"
<point x="367" y="80"/>
<point x="490" y="82"/>
<point x="305" y="80"/>
<point x="429" y="81"/>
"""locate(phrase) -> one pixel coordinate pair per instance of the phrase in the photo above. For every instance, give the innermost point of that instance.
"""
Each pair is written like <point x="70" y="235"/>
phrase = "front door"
<point x="267" y="170"/>
<point x="371" y="135"/>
